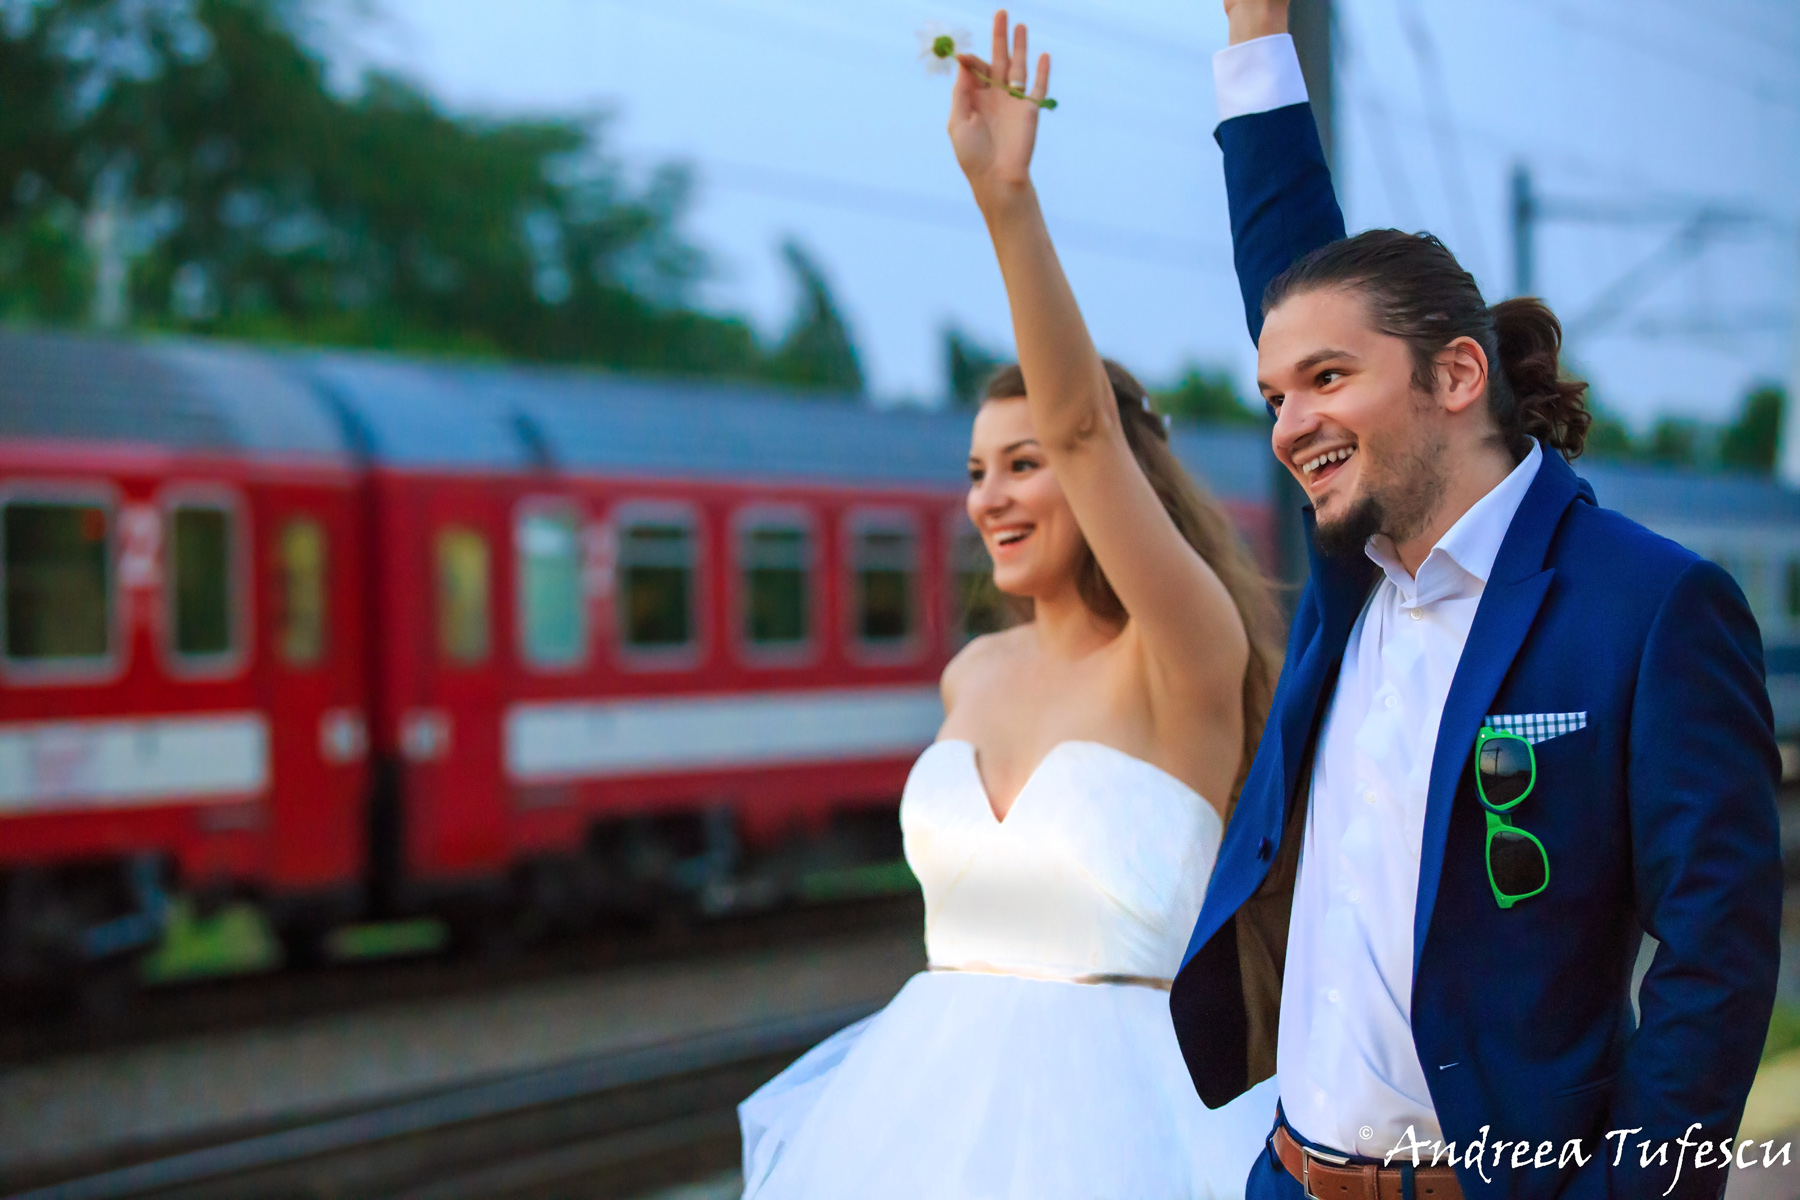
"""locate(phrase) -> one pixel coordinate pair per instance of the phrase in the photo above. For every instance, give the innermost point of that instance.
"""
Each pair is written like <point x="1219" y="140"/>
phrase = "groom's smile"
<point x="1351" y="423"/>
<point x="1318" y="466"/>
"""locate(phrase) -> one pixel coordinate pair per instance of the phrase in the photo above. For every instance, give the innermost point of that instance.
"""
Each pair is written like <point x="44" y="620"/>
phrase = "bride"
<point x="1064" y="824"/>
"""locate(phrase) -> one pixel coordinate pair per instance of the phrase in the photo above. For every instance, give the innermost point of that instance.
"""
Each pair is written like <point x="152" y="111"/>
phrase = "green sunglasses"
<point x="1518" y="867"/>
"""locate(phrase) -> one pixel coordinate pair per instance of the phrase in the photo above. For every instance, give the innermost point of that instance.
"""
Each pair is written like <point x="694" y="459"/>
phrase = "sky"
<point x="1664" y="135"/>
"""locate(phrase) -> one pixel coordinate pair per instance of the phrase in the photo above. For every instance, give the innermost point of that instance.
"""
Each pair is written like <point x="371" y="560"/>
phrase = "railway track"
<point x="606" y="1126"/>
<point x="34" y="1028"/>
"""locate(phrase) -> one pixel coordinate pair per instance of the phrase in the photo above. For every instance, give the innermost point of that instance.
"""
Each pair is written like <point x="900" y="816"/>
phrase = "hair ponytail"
<point x="1418" y="292"/>
<point x="1536" y="401"/>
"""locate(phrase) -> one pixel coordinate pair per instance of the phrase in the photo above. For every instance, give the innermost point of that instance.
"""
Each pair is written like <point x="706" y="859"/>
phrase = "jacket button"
<point x="1264" y="848"/>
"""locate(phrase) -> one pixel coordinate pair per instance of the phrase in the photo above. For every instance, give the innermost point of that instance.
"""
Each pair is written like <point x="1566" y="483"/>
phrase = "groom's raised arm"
<point x="1276" y="179"/>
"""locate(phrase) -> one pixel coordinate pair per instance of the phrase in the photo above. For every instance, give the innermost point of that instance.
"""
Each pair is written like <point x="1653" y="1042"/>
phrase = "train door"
<point x="318" y="720"/>
<point x="209" y="675"/>
<point x="450" y="739"/>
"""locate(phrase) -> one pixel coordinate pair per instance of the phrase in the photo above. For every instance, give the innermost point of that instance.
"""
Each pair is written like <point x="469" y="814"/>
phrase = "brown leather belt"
<point x="1325" y="1180"/>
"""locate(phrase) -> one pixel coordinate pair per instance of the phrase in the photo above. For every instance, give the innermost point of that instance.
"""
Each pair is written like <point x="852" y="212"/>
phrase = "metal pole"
<point x="1524" y="217"/>
<point x="1788" y="462"/>
<point x="1310" y="22"/>
<point x="104" y="231"/>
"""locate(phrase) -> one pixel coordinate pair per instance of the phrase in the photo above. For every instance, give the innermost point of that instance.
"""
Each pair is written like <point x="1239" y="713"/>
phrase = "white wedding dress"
<point x="1037" y="1058"/>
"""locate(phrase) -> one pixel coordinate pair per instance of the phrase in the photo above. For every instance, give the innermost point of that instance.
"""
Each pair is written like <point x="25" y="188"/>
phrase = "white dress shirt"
<point x="1259" y="75"/>
<point x="1350" y="1076"/>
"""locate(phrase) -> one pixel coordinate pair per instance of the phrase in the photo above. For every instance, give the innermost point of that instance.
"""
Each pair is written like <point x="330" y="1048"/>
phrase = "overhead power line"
<point x="1684" y="245"/>
<point x="1696" y="229"/>
<point x="1396" y="181"/>
<point x="1444" y="141"/>
<point x="1563" y="156"/>
<point x="1155" y="121"/>
<point x="1728" y="327"/>
<point x="1580" y="160"/>
<point x="1709" y="13"/>
<point x="1682" y="57"/>
<point x="1073" y="233"/>
<point x="1164" y="43"/>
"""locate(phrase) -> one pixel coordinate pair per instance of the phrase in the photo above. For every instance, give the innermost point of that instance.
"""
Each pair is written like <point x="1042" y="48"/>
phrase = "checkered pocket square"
<point x="1538" y="727"/>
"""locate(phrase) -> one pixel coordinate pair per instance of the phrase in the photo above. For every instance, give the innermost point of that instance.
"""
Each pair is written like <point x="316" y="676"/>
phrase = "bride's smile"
<point x="1017" y="504"/>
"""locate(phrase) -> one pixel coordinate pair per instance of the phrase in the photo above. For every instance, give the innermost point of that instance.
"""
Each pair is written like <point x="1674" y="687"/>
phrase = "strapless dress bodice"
<point x="994" y="1080"/>
<point x="1098" y="868"/>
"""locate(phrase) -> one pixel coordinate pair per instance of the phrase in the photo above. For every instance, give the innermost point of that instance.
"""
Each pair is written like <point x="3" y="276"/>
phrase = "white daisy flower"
<point x="939" y="46"/>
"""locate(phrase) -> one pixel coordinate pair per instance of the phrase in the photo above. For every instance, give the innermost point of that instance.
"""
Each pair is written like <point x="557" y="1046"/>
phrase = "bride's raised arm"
<point x="1194" y="640"/>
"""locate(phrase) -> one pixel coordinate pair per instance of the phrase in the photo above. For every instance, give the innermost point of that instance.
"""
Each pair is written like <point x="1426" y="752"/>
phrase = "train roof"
<point x="433" y="414"/>
<point x="191" y="394"/>
<point x="1662" y="496"/>
<point x="202" y="395"/>
<point x="179" y="393"/>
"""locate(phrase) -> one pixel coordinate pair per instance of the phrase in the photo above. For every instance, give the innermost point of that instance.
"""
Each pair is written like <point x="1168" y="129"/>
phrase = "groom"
<point x="1515" y="732"/>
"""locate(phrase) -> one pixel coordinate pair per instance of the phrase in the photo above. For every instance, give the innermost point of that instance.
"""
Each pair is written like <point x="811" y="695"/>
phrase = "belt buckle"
<point x="1307" y="1154"/>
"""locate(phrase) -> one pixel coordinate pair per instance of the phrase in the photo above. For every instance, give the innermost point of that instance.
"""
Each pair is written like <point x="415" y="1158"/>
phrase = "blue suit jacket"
<point x="1659" y="816"/>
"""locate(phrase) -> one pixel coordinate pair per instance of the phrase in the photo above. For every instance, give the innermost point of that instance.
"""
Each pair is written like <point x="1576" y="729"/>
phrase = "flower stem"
<point x="1013" y="90"/>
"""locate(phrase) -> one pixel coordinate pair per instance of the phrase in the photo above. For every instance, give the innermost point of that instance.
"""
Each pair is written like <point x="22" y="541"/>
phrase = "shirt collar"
<point x="1464" y="557"/>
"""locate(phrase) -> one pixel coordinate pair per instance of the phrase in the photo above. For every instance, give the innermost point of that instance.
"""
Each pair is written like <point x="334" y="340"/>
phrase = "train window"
<point x="777" y="564"/>
<point x="656" y="583"/>
<point x="885" y="562"/>
<point x="200" y="585"/>
<point x="300" y="588"/>
<point x="979" y="606"/>
<point x="462" y="595"/>
<point x="552" y="608"/>
<point x="1793" y="589"/>
<point x="58" y="587"/>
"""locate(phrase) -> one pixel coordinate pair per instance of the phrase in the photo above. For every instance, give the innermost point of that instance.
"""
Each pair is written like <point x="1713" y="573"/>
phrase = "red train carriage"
<point x="611" y="636"/>
<point x="181" y="683"/>
<point x="630" y="630"/>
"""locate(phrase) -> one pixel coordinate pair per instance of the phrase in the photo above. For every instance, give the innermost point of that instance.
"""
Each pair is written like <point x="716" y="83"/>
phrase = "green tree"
<point x="1676" y="442"/>
<point x="255" y="201"/>
<point x="967" y="366"/>
<point x="44" y="274"/>
<point x="1609" y="437"/>
<point x="44" y="269"/>
<point x="817" y="350"/>
<point x="1206" y="395"/>
<point x="1750" y="442"/>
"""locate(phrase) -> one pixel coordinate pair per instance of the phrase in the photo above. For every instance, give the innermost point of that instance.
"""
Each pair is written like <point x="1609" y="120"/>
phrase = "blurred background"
<point x="482" y="518"/>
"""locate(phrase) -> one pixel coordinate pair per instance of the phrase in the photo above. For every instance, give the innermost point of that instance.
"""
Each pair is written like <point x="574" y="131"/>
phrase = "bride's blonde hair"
<point x="1204" y="525"/>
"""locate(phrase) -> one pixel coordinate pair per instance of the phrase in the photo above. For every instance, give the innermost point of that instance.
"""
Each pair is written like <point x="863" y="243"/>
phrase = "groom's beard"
<point x="1348" y="534"/>
<point x="1397" y="500"/>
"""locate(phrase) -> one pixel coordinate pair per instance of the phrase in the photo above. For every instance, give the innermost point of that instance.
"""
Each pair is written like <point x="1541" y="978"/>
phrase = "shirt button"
<point x="1392" y="701"/>
<point x="1369" y="796"/>
<point x="1355" y="895"/>
<point x="1418" y="614"/>
<point x="1332" y="995"/>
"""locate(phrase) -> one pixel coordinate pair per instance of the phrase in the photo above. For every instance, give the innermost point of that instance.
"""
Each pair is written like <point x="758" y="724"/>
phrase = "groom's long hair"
<point x="1417" y="291"/>
<point x="1203" y="524"/>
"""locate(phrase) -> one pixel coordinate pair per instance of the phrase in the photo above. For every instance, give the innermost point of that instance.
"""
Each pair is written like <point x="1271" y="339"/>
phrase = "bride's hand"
<point x="992" y="130"/>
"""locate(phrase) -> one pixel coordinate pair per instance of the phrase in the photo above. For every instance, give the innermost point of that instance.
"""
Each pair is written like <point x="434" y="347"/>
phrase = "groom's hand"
<point x="1256" y="18"/>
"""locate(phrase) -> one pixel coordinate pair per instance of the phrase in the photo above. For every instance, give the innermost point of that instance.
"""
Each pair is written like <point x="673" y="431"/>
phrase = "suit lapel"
<point x="1337" y="590"/>
<point x="1340" y="586"/>
<point x="1509" y="604"/>
<point x="1343" y="585"/>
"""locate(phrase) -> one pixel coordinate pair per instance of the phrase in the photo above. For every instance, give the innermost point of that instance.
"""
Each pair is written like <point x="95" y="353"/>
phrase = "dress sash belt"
<point x="1148" y="981"/>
